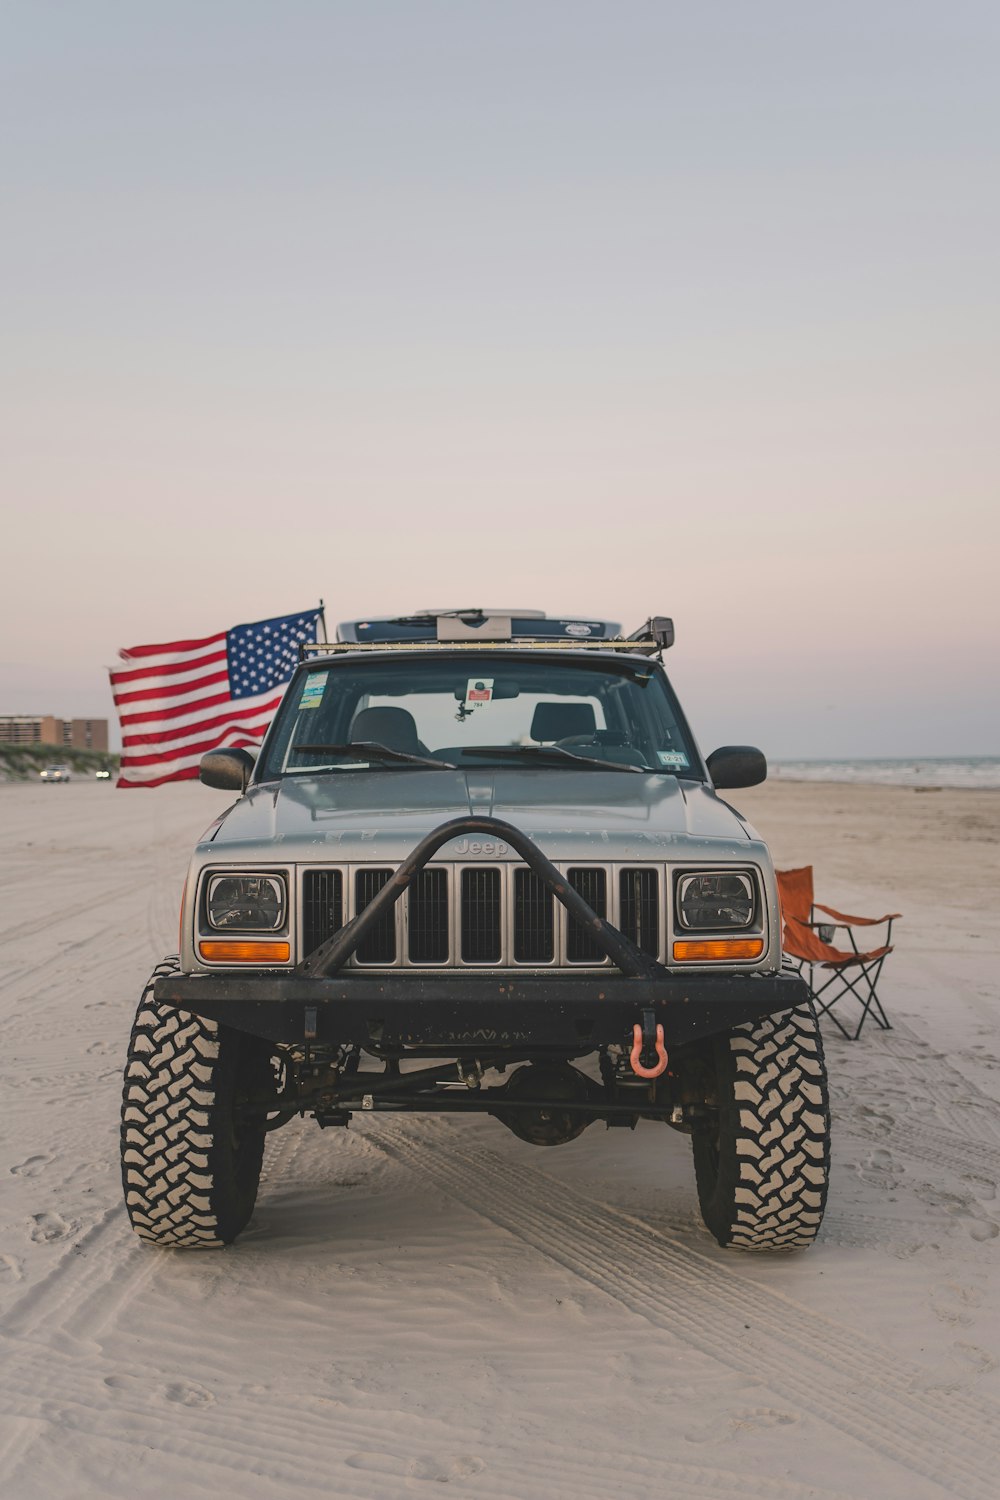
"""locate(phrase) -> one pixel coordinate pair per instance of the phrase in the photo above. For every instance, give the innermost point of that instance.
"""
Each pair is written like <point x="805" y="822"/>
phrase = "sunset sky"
<point x="603" y="308"/>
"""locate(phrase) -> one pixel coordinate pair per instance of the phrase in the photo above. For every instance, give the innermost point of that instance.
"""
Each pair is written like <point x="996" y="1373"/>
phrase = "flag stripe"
<point x="127" y="780"/>
<point x="248" y="713"/>
<point x="210" y="700"/>
<point x="168" y="669"/>
<point x="173" y="649"/>
<point x="186" y="714"/>
<point x="171" y="690"/>
<point x="239" y="735"/>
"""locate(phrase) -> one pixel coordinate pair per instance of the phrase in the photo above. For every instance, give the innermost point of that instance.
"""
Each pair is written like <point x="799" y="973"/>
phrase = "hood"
<point x="379" y="816"/>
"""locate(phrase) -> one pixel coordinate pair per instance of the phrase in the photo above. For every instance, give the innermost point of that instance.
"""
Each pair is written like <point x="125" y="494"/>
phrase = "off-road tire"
<point x="190" y="1162"/>
<point x="762" y="1175"/>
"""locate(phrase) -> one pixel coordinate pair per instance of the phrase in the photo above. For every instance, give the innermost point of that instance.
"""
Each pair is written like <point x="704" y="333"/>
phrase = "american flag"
<point x="179" y="699"/>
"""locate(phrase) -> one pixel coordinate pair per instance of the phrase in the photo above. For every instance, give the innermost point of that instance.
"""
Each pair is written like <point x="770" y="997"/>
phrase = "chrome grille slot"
<point x="322" y="907"/>
<point x="534" y="922"/>
<point x="639" y="895"/>
<point x="379" y="947"/>
<point x="481" y="917"/>
<point x="592" y="885"/>
<point x="428" y="941"/>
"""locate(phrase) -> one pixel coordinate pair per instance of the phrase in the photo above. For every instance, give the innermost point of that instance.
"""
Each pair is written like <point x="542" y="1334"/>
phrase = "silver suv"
<point x="479" y="866"/>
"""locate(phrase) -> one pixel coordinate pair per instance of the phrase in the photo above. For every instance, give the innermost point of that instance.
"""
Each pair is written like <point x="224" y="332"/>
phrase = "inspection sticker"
<point x="672" y="758"/>
<point x="312" y="690"/>
<point x="480" y="690"/>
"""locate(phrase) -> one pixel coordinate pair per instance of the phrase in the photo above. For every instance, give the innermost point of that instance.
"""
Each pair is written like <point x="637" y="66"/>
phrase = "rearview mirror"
<point x="228" y="770"/>
<point x="736" y="765"/>
<point x="501" y="689"/>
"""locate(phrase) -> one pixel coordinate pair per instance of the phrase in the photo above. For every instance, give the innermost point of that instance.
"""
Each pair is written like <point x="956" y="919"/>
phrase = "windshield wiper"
<point x="369" y="750"/>
<point x="547" y="752"/>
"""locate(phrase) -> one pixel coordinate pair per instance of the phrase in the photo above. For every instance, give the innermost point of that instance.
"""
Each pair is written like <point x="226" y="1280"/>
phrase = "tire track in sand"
<point x="59" y="1375"/>
<point x="844" y="1380"/>
<point x="314" y="1444"/>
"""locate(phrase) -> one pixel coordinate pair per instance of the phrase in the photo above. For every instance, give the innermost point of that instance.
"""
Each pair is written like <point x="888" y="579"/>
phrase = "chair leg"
<point x="866" y="997"/>
<point x="825" y="1007"/>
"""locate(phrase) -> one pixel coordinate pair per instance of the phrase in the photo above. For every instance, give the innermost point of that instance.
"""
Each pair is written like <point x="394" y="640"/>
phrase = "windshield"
<point x="473" y="710"/>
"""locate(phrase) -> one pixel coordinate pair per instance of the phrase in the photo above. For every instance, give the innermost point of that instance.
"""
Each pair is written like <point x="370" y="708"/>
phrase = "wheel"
<point x="191" y="1157"/>
<point x="762" y="1171"/>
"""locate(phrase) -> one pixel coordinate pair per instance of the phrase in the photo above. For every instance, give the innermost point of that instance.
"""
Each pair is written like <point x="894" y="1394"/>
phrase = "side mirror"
<point x="229" y="770"/>
<point x="736" y="765"/>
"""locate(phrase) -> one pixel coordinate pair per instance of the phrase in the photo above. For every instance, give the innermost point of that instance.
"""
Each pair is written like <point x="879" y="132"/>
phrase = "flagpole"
<point x="322" y="615"/>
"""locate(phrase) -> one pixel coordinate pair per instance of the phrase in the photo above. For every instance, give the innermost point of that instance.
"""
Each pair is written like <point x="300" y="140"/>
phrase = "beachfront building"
<point x="45" y="729"/>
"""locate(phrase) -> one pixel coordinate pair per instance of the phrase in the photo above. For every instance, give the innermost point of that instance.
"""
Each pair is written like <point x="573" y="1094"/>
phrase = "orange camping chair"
<point x="809" y="941"/>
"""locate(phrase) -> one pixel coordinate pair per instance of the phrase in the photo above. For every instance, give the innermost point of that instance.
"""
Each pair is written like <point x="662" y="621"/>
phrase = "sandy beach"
<point x="434" y="1302"/>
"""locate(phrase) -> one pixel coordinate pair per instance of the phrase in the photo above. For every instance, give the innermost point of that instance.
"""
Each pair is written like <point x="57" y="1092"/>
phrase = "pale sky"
<point x="602" y="308"/>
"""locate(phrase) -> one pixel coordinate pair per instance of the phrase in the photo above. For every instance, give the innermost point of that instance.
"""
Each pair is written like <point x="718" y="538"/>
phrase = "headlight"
<point x="715" y="901"/>
<point x="246" y="903"/>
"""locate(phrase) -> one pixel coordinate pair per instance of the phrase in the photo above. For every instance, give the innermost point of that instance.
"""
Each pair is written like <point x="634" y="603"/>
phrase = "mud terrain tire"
<point x="762" y="1177"/>
<point x="190" y="1163"/>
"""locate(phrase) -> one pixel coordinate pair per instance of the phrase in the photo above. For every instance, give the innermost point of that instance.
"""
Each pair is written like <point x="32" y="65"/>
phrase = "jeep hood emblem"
<point x="481" y="847"/>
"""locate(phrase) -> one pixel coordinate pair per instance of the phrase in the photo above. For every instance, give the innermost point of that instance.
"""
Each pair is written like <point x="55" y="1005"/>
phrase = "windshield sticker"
<point x="673" y="758"/>
<point x="480" y="690"/>
<point x="312" y="690"/>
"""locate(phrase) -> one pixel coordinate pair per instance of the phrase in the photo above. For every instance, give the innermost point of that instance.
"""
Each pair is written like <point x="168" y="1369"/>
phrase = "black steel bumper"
<point x="571" y="1013"/>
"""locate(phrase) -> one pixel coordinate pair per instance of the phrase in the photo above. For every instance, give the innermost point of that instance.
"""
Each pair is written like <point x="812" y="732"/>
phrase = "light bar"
<point x="339" y="648"/>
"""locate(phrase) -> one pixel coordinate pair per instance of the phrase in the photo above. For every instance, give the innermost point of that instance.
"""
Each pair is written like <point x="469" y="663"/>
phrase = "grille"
<point x="481" y="921"/>
<point x="428" y="918"/>
<point x="503" y="915"/>
<point x="322" y="906"/>
<point x="534" y="925"/>
<point x="639" y="897"/>
<point x="379" y="947"/>
<point x="593" y="887"/>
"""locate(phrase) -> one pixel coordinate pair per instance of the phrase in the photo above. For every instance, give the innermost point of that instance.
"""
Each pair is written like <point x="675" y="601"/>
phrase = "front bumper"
<point x="572" y="1014"/>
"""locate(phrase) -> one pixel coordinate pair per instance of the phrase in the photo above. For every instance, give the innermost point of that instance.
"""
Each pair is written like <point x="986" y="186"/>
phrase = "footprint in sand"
<point x="185" y="1394"/>
<point x="745" y="1419"/>
<point x="760" y="1417"/>
<point x="981" y="1362"/>
<point x="10" y="1269"/>
<point x="880" y="1168"/>
<point x="31" y="1166"/>
<point x="443" y="1470"/>
<point x="48" y="1227"/>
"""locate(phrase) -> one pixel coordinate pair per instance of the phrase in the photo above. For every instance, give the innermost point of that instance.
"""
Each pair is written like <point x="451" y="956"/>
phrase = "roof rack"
<point x="475" y="631"/>
<point x="633" y="645"/>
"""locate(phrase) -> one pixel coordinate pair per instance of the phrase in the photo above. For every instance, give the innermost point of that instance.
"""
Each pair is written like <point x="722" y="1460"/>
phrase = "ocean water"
<point x="975" y="771"/>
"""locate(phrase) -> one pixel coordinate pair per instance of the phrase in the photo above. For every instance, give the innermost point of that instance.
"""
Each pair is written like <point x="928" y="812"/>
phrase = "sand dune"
<point x="433" y="1302"/>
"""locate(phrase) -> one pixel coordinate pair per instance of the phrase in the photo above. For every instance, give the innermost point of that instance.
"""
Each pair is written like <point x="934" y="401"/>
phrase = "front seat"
<point x="562" y="721"/>
<point x="393" y="727"/>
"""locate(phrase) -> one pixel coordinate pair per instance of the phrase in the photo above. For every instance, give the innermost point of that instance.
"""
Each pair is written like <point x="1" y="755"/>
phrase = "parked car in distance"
<point x="56" y="773"/>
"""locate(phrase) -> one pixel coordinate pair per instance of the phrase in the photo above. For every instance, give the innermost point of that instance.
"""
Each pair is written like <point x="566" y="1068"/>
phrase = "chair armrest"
<point x="841" y="919"/>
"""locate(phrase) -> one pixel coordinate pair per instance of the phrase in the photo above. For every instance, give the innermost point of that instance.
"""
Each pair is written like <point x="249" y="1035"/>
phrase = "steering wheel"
<point x="595" y="737"/>
<point x="577" y="739"/>
<point x="610" y="740"/>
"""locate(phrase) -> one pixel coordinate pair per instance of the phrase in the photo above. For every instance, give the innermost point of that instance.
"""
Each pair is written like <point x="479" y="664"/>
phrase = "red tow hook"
<point x="642" y="1038"/>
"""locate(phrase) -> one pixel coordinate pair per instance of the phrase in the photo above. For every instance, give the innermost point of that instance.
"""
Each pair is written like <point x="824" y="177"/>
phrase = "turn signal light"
<point x="244" y="953"/>
<point x="718" y="948"/>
